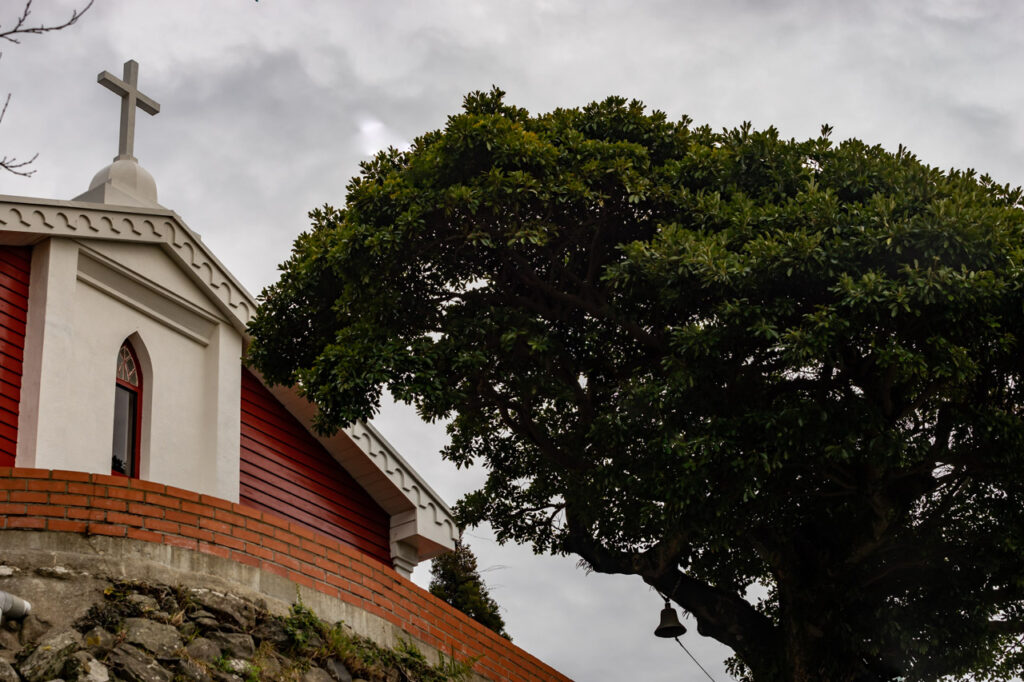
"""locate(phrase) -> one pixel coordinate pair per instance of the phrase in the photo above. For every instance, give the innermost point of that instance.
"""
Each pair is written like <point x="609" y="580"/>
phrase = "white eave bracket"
<point x="426" y="530"/>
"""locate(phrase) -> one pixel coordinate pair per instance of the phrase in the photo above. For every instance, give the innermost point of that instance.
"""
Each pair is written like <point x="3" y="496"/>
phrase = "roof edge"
<point x="84" y="220"/>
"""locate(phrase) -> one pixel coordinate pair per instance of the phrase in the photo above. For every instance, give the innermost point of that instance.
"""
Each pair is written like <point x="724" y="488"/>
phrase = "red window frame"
<point x="136" y="390"/>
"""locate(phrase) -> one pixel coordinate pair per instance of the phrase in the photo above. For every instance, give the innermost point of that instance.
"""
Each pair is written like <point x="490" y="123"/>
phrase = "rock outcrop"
<point x="111" y="630"/>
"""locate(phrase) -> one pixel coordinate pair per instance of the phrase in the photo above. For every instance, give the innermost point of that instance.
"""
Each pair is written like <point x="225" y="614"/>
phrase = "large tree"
<point x="725" y="362"/>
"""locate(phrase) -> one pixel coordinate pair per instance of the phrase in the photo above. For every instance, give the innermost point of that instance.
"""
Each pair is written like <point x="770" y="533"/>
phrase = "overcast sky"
<point x="268" y="107"/>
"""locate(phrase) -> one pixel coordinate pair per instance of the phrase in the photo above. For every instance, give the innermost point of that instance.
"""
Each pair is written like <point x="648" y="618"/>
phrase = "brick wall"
<point x="95" y="504"/>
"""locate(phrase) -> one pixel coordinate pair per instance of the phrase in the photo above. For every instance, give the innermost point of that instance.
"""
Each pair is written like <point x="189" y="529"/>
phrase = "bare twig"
<point x="20" y="28"/>
<point x="12" y="164"/>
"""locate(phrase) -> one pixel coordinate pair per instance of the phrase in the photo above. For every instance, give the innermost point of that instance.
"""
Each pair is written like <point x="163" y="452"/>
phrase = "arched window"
<point x="127" y="413"/>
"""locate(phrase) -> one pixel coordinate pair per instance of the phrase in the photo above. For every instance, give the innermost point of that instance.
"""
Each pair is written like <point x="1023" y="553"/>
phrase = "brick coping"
<point x="97" y="504"/>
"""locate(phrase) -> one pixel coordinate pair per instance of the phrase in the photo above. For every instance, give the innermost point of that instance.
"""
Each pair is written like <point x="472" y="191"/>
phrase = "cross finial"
<point x="128" y="90"/>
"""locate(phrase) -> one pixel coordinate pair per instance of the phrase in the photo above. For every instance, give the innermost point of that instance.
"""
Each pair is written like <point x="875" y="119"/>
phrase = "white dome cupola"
<point x="124" y="182"/>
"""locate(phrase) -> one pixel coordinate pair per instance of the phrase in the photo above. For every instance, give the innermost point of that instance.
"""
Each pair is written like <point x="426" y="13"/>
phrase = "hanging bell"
<point x="670" y="627"/>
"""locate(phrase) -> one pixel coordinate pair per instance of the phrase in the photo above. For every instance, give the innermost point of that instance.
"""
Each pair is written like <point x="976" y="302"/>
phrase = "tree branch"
<point x="10" y="163"/>
<point x="526" y="273"/>
<point x="20" y="28"/>
<point x="516" y="419"/>
<point x="720" y="614"/>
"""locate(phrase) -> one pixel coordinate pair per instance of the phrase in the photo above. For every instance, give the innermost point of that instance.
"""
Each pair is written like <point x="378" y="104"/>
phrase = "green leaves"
<point x="789" y="362"/>
<point x="455" y="579"/>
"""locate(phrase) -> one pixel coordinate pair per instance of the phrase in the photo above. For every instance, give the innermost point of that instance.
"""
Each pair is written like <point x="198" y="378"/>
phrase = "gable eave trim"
<point x="84" y="220"/>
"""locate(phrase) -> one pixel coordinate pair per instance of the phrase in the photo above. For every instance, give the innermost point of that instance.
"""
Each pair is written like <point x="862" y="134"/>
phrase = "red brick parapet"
<point x="95" y="504"/>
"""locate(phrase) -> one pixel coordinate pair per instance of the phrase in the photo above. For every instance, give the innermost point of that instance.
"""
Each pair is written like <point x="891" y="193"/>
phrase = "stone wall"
<point x="144" y="530"/>
<point x="85" y="628"/>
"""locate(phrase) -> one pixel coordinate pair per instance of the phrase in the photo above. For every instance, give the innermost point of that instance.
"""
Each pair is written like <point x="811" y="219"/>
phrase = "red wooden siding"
<point x="14" y="274"/>
<point x="287" y="472"/>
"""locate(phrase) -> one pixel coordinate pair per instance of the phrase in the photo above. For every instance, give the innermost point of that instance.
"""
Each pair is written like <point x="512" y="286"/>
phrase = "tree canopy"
<point x="717" y="360"/>
<point x="455" y="579"/>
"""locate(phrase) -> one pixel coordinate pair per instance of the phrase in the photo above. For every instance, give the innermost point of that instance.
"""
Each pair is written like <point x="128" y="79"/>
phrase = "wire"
<point x="694" y="660"/>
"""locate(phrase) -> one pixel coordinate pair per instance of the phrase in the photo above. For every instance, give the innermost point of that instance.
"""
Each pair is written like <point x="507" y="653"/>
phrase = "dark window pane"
<point x="124" y="431"/>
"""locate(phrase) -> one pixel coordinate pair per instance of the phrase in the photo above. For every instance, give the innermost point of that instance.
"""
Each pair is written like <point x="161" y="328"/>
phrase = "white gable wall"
<point x="86" y="298"/>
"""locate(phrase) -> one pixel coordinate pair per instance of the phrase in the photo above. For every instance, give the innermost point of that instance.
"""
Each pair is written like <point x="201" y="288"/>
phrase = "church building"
<point x="122" y="385"/>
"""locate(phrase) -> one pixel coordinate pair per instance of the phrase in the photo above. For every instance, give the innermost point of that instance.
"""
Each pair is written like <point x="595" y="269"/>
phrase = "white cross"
<point x="128" y="89"/>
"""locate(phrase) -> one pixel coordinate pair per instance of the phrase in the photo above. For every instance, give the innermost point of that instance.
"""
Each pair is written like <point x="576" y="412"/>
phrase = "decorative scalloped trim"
<point x="77" y="221"/>
<point x="398" y="472"/>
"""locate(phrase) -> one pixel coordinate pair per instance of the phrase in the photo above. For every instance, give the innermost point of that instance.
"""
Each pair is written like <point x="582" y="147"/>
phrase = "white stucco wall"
<point x="86" y="298"/>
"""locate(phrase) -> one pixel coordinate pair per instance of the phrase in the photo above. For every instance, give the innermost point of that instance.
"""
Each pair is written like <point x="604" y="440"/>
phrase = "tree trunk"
<point x="807" y="654"/>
